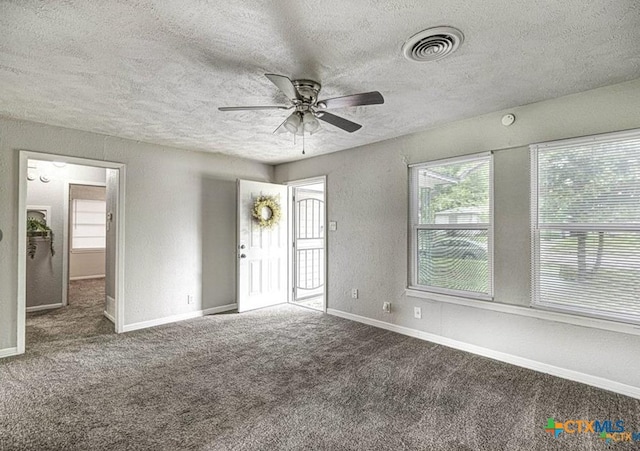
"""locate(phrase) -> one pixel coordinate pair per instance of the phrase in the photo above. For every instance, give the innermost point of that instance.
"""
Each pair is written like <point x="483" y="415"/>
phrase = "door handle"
<point x="243" y="256"/>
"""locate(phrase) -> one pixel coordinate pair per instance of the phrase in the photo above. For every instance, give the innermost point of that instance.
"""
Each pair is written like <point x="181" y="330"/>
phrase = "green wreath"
<point x="266" y="211"/>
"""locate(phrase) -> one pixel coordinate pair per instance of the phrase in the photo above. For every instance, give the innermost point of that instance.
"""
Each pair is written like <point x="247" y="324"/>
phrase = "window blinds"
<point x="586" y="225"/>
<point x="89" y="224"/>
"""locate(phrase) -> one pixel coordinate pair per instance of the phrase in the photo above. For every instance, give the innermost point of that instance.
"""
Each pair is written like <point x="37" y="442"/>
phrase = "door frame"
<point x="24" y="157"/>
<point x="292" y="275"/>
<point x="67" y="234"/>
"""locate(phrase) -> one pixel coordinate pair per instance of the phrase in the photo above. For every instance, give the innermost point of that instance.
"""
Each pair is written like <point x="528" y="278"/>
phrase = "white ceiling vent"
<point x="432" y="44"/>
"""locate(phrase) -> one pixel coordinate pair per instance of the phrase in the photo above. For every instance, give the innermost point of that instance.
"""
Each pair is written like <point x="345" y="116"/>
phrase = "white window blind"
<point x="586" y="226"/>
<point x="88" y="224"/>
<point x="451" y="226"/>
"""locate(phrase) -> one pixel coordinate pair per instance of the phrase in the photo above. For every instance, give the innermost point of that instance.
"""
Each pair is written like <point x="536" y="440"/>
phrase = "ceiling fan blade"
<point x="249" y="108"/>
<point x="339" y="122"/>
<point x="285" y="85"/>
<point x="365" y="98"/>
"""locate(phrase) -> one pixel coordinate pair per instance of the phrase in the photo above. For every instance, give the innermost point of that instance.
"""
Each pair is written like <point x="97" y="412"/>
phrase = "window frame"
<point x="414" y="228"/>
<point x="536" y="228"/>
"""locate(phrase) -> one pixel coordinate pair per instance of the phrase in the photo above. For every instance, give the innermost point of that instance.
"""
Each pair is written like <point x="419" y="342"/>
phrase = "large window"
<point x="586" y="226"/>
<point x="451" y="226"/>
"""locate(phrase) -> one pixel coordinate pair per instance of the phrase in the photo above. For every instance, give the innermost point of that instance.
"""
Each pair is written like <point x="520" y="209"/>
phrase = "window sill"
<point x="445" y="295"/>
<point x="528" y="311"/>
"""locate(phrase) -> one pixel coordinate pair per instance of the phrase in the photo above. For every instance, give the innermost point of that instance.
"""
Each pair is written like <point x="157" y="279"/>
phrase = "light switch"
<point x="333" y="226"/>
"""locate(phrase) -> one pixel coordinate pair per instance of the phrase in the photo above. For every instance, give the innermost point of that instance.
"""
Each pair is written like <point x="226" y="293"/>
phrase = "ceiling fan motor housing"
<point x="308" y="90"/>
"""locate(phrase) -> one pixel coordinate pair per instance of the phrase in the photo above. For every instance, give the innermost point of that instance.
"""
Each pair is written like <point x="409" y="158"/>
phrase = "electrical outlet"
<point x="417" y="312"/>
<point x="354" y="293"/>
<point x="189" y="299"/>
<point x="386" y="307"/>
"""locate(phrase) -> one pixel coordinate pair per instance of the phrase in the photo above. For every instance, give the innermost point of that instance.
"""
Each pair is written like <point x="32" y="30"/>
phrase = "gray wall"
<point x="219" y="242"/>
<point x="44" y="273"/>
<point x="164" y="216"/>
<point x="367" y="195"/>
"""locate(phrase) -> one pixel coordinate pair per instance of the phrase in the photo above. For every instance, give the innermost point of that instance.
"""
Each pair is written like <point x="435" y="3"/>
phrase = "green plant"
<point x="38" y="228"/>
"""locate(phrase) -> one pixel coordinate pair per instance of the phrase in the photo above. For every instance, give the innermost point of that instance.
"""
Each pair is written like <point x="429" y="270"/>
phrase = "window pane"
<point x="454" y="259"/>
<point x="594" y="271"/>
<point x="590" y="183"/>
<point x="454" y="193"/>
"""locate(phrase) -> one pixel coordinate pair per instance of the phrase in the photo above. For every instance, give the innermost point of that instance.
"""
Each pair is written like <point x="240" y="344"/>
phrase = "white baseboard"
<point x="109" y="317"/>
<point x="180" y="317"/>
<point x="564" y="373"/>
<point x="37" y="308"/>
<point x="8" y="352"/>
<point x="96" y="276"/>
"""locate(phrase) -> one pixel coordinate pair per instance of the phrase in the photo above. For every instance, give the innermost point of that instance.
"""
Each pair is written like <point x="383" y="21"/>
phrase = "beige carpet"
<point x="285" y="378"/>
<point x="82" y="318"/>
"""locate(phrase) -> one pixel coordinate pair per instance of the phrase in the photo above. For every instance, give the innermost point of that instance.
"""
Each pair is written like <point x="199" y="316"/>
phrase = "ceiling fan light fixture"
<point x="310" y="123"/>
<point x="292" y="123"/>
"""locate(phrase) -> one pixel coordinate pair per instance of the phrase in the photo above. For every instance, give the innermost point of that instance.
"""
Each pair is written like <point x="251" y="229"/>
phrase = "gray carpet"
<point x="285" y="378"/>
<point x="81" y="318"/>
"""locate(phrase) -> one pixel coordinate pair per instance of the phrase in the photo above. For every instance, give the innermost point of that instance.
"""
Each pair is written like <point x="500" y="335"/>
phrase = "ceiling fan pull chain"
<point x="303" y="142"/>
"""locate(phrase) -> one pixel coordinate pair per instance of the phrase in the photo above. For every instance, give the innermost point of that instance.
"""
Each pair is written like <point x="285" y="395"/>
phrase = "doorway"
<point x="282" y="260"/>
<point x="309" y="243"/>
<point x="70" y="271"/>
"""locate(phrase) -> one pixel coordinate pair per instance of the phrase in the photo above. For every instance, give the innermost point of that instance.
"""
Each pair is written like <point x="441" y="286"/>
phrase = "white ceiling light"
<point x="311" y="124"/>
<point x="432" y="44"/>
<point x="508" y="119"/>
<point x="292" y="123"/>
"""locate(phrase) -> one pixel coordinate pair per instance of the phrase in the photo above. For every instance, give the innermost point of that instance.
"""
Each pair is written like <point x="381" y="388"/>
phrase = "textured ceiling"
<point x="156" y="71"/>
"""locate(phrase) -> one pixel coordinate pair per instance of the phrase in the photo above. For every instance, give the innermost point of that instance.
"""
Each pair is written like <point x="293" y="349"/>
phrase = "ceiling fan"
<point x="303" y="95"/>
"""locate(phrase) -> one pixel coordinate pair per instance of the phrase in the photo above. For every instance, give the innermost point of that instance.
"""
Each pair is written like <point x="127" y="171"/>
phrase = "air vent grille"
<point x="432" y="44"/>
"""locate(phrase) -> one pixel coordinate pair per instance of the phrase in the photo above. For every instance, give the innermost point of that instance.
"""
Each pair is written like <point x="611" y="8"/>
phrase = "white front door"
<point x="262" y="252"/>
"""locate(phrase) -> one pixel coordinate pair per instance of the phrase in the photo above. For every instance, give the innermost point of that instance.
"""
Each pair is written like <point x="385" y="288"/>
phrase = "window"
<point x="88" y="224"/>
<point x="586" y="226"/>
<point x="451" y="226"/>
